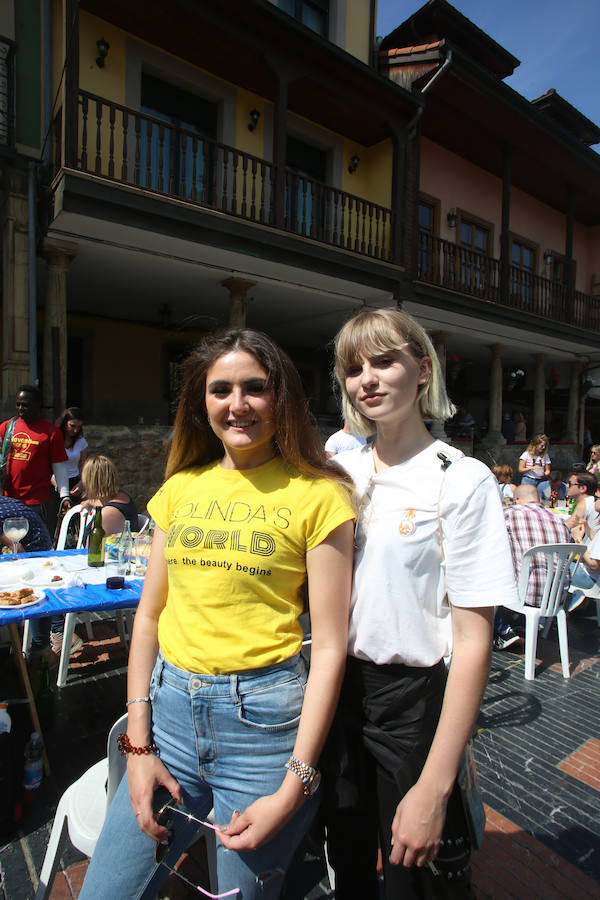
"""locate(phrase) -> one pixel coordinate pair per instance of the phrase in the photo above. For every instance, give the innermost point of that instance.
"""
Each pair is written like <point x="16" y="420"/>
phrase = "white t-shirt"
<point x="340" y="441"/>
<point x="594" y="551"/>
<point x="399" y="610"/>
<point x="74" y="453"/>
<point x="534" y="465"/>
<point x="591" y="516"/>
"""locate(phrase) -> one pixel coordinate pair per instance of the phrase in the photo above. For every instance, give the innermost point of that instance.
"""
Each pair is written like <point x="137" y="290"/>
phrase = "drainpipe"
<point x="437" y="74"/>
<point x="32" y="265"/>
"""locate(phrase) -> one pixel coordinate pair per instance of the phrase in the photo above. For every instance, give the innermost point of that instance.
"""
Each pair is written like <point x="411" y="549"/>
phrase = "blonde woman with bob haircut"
<point x="222" y="710"/>
<point x="431" y="561"/>
<point x="100" y="484"/>
<point x="535" y="463"/>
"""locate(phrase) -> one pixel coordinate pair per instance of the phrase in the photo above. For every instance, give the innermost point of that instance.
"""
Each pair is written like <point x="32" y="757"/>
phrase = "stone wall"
<point x="139" y="454"/>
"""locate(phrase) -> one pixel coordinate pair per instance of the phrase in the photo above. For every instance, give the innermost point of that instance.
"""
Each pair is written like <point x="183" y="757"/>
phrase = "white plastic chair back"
<point x="143" y="522"/>
<point x="117" y="763"/>
<point x="593" y="593"/>
<point x="556" y="559"/>
<point x="84" y="516"/>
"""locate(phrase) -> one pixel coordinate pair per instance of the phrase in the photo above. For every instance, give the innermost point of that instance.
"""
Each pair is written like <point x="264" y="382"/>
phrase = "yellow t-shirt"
<point x="236" y="557"/>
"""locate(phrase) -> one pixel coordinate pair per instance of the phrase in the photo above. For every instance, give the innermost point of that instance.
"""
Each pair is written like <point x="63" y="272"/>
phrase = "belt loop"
<point x="234" y="692"/>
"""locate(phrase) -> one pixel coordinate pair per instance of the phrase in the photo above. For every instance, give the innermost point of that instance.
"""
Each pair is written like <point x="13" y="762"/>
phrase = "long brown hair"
<point x="297" y="439"/>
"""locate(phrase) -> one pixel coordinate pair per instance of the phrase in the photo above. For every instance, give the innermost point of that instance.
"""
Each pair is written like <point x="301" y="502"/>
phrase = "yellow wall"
<point x="249" y="141"/>
<point x="109" y="81"/>
<point x="358" y="38"/>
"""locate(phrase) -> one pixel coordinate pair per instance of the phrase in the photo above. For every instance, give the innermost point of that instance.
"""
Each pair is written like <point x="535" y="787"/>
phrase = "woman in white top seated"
<point x="395" y="748"/>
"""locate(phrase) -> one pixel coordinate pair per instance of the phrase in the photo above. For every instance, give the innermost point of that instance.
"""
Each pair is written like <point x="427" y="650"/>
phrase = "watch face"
<point x="313" y="785"/>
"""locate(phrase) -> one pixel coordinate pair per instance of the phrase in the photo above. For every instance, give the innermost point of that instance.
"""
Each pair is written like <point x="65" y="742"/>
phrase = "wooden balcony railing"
<point x="130" y="147"/>
<point x="447" y="265"/>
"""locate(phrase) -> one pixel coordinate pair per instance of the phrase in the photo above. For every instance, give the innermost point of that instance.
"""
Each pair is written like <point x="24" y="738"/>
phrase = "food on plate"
<point x="57" y="578"/>
<point x="17" y="598"/>
<point x="47" y="564"/>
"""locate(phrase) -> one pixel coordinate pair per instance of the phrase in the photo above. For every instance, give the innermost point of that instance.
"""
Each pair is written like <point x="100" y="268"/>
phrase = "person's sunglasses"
<point x="574" y="484"/>
<point x="164" y="818"/>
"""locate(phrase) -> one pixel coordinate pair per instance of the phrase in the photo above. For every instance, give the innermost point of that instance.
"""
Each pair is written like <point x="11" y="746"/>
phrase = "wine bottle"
<point x="96" y="541"/>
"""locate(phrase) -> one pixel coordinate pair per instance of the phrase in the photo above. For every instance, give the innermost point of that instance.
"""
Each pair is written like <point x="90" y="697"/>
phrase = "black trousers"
<point x="378" y="744"/>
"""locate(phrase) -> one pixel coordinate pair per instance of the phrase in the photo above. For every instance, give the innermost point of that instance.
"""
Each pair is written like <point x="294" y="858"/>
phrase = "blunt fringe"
<point x="372" y="332"/>
<point x="99" y="478"/>
<point x="297" y="439"/>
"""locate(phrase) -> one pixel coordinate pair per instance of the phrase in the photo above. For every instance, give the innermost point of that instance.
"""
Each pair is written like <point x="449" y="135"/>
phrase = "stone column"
<point x="58" y="255"/>
<point x="494" y="437"/>
<point x="439" y="339"/>
<point x="238" y="289"/>
<point x="570" y="433"/>
<point x="15" y="288"/>
<point x="539" y="395"/>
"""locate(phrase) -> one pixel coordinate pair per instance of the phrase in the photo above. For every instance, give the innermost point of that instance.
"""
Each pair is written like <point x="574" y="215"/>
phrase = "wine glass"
<point x="15" y="530"/>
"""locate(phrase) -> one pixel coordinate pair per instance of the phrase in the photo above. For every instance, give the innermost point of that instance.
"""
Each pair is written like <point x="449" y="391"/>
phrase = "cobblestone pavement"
<point x="537" y="751"/>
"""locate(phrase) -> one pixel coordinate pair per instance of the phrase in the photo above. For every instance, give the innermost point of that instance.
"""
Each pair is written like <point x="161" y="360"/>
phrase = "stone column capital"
<point x="237" y="287"/>
<point x="58" y="254"/>
<point x="497" y="349"/>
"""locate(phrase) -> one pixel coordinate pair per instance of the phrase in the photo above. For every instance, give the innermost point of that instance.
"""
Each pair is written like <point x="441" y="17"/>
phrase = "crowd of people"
<point x="374" y="534"/>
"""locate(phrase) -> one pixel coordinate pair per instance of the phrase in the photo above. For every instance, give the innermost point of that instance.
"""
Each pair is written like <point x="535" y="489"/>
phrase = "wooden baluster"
<point x="334" y="232"/>
<point x="98" y="167"/>
<point x="261" y="210"/>
<point x="302" y="210"/>
<point x="244" y="208"/>
<point x="224" y="194"/>
<point x="253" y="168"/>
<point x="172" y="188"/>
<point x="111" y="142"/>
<point x="84" y="114"/>
<point x="161" y="159"/>
<point x="363" y="217"/>
<point x="193" y="192"/>
<point x="234" y="166"/>
<point x="370" y="241"/>
<point x="344" y="223"/>
<point x="357" y="227"/>
<point x="124" y="162"/>
<point x="136" y="160"/>
<point x="378" y="248"/>
<point x="148" y="130"/>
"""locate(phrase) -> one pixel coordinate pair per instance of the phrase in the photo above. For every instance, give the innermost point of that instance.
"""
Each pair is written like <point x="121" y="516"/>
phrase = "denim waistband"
<point x="195" y="682"/>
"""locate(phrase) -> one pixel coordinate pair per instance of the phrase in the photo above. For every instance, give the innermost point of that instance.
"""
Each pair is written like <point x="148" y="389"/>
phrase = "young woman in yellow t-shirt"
<point x="221" y="711"/>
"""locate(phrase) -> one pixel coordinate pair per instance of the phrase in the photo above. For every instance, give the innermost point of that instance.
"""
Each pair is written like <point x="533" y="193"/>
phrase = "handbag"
<point x="6" y="448"/>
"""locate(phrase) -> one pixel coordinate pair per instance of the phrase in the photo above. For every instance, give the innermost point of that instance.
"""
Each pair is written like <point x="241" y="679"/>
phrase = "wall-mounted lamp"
<point x="254" y="117"/>
<point x="354" y="161"/>
<point x="452" y="218"/>
<point x="548" y="257"/>
<point x="103" y="48"/>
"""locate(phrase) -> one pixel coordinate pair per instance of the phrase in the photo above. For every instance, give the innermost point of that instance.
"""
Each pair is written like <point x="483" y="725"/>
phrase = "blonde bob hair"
<point x="535" y="443"/>
<point x="372" y="332"/>
<point x="99" y="478"/>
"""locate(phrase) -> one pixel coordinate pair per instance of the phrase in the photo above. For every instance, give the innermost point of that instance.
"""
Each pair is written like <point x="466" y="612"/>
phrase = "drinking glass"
<point x="15" y="530"/>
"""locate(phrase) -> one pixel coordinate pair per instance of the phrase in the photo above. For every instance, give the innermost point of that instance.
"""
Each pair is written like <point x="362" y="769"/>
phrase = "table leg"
<point x="18" y="651"/>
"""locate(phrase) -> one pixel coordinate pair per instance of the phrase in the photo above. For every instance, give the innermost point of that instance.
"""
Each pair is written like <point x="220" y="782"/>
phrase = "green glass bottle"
<point x="96" y="541"/>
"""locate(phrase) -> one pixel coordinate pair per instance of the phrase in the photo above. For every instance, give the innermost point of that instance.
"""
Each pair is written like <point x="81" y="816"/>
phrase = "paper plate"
<point x="39" y="597"/>
<point x="13" y="573"/>
<point x="43" y="579"/>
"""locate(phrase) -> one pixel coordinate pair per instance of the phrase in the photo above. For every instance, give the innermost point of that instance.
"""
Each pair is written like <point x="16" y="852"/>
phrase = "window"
<point x="304" y="206"/>
<point x="474" y="238"/>
<point x="312" y="13"/>
<point x="173" y="159"/>
<point x="522" y="270"/>
<point x="427" y="223"/>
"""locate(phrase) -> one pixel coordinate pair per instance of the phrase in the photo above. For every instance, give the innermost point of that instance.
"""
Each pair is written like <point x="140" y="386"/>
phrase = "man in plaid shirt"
<point x="529" y="523"/>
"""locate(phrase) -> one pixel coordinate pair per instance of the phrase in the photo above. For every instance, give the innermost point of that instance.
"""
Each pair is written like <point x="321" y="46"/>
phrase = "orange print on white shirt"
<point x="407" y="522"/>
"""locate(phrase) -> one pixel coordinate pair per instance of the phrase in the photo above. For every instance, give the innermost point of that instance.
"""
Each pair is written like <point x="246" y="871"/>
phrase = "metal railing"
<point x="447" y="265"/>
<point x="133" y="148"/>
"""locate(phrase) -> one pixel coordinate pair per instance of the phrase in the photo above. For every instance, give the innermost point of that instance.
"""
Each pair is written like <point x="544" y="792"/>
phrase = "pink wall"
<point x="458" y="183"/>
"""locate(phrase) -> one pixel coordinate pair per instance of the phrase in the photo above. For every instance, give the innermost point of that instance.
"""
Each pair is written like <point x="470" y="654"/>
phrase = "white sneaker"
<point x="56" y="642"/>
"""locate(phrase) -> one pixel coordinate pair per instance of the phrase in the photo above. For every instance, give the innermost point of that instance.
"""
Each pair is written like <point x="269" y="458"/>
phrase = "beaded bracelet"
<point x="138" y="700"/>
<point x="125" y="746"/>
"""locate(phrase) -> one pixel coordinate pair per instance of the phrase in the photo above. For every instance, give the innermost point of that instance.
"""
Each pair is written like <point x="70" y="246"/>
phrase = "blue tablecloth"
<point x="91" y="597"/>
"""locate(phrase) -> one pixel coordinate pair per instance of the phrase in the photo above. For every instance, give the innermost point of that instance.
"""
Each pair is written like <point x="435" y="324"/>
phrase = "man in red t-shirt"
<point x="37" y="451"/>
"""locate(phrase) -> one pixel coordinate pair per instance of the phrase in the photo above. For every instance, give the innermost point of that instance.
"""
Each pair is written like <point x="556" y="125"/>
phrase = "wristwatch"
<point x="310" y="778"/>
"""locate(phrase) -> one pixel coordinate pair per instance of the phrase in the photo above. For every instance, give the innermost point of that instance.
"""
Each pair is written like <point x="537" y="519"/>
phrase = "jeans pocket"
<point x="155" y="679"/>
<point x="275" y="707"/>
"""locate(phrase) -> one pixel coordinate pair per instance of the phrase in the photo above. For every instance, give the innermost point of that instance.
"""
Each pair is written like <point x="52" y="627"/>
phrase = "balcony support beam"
<point x="279" y="147"/>
<point x="70" y="104"/>
<point x="505" y="233"/>
<point x="539" y="395"/>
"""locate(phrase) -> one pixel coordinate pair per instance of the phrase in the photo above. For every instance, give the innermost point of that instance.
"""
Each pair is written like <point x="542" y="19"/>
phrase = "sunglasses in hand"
<point x="165" y="818"/>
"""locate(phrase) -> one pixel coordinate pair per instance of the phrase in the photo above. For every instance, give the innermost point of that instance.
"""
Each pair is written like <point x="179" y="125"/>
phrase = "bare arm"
<point x="419" y="819"/>
<point x="522" y="466"/>
<point x="329" y="568"/>
<point x="146" y="773"/>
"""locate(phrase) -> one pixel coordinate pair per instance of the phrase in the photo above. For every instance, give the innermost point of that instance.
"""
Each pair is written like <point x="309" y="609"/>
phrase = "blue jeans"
<point x="226" y="739"/>
<point x="527" y="479"/>
<point x="581" y="578"/>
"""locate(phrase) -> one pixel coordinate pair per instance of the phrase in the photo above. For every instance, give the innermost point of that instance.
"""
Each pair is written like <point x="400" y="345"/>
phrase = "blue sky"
<point x="555" y="40"/>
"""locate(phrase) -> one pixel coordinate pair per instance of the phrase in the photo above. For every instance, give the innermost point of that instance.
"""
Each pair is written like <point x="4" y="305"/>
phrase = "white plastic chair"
<point x="84" y="517"/>
<point x="594" y="593"/>
<point x="143" y="522"/>
<point x="558" y="558"/>
<point x="82" y="810"/>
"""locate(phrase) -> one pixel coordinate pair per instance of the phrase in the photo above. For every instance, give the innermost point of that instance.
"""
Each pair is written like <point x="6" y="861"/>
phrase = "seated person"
<point x="504" y="476"/>
<point x="101" y="488"/>
<point x="587" y="572"/>
<point x="553" y="490"/>
<point x="342" y="440"/>
<point x="585" y="520"/>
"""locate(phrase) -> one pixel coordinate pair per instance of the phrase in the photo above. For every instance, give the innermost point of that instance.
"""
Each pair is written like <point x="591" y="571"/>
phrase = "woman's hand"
<point x="258" y="823"/>
<point x="145" y="774"/>
<point x="417" y="827"/>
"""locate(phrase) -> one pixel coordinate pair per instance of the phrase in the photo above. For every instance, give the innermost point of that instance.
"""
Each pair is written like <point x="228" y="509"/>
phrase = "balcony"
<point x="446" y="265"/>
<point x="127" y="147"/>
